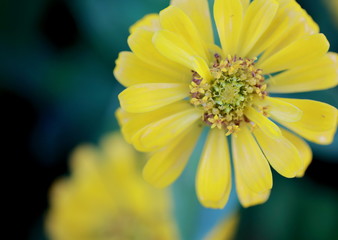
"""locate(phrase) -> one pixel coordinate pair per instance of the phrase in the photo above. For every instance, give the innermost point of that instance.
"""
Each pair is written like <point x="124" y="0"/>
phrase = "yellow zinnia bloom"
<point x="178" y="82"/>
<point x="106" y="198"/>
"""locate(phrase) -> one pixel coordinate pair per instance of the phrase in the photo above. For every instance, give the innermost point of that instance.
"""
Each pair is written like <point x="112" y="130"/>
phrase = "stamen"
<point x="236" y="82"/>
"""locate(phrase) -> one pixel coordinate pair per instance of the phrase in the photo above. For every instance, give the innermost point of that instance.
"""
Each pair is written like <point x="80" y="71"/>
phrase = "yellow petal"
<point x="319" y="75"/>
<point x="150" y="22"/>
<point x="130" y="70"/>
<point x="258" y="17"/>
<point x="299" y="24"/>
<point x="276" y="30"/>
<point x="160" y="133"/>
<point x="167" y="164"/>
<point x="198" y="11"/>
<point x="290" y="23"/>
<point x="177" y="49"/>
<point x="213" y="49"/>
<point x="318" y="122"/>
<point x="123" y="119"/>
<point x="281" y="153"/>
<point x="317" y="116"/>
<point x="288" y="37"/>
<point x="249" y="162"/>
<point x="137" y="143"/>
<point x="140" y="42"/>
<point x="201" y="67"/>
<point x="246" y="196"/>
<point x="303" y="149"/>
<point x="122" y="116"/>
<point x="175" y="20"/>
<point x="228" y="18"/>
<point x="263" y="122"/>
<point x="281" y="110"/>
<point x="213" y="179"/>
<point x="298" y="53"/>
<point x="150" y="96"/>
<point x="245" y="4"/>
<point x="134" y="122"/>
<point x="299" y="15"/>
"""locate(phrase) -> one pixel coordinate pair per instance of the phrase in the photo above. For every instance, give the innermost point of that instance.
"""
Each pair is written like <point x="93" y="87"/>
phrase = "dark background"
<point x="57" y="90"/>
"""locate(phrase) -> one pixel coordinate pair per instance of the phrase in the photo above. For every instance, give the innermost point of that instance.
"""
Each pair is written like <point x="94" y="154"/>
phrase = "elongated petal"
<point x="228" y="18"/>
<point x="213" y="180"/>
<point x="141" y="43"/>
<point x="130" y="70"/>
<point x="287" y="38"/>
<point x="319" y="75"/>
<point x="150" y="96"/>
<point x="279" y="109"/>
<point x="258" y="17"/>
<point x="246" y="196"/>
<point x="122" y="116"/>
<point x="199" y="13"/>
<point x="263" y="122"/>
<point x="166" y="165"/>
<point x="250" y="162"/>
<point x="318" y="123"/>
<point x="138" y="121"/>
<point x="303" y="149"/>
<point x="281" y="153"/>
<point x="316" y="115"/>
<point x="126" y="121"/>
<point x="277" y="29"/>
<point x="299" y="15"/>
<point x="150" y="22"/>
<point x="177" y="49"/>
<point x="162" y="132"/>
<point x="175" y="20"/>
<point x="299" y="24"/>
<point x="138" y="144"/>
<point x="290" y="23"/>
<point x="299" y="53"/>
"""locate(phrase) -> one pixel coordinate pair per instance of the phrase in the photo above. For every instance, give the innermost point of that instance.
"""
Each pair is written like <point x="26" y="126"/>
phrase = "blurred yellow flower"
<point x="225" y="230"/>
<point x="178" y="81"/>
<point x="106" y="198"/>
<point x="333" y="8"/>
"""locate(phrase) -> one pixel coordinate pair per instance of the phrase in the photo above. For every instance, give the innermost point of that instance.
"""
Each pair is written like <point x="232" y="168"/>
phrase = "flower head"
<point x="106" y="198"/>
<point x="179" y="82"/>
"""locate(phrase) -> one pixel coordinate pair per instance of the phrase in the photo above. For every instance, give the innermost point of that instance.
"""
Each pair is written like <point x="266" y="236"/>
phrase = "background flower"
<point x="105" y="197"/>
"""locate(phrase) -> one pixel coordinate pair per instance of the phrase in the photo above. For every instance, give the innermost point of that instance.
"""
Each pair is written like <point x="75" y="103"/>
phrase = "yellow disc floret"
<point x="236" y="82"/>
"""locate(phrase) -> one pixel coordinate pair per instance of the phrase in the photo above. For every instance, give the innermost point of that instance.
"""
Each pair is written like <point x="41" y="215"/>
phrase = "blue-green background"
<point x="57" y="90"/>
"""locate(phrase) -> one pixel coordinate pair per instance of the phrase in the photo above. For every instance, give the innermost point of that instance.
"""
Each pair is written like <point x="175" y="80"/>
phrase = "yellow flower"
<point x="225" y="230"/>
<point x="178" y="82"/>
<point x="106" y="198"/>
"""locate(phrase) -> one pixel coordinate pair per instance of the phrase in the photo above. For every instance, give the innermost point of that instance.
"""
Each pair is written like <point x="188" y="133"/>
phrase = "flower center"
<point x="236" y="82"/>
